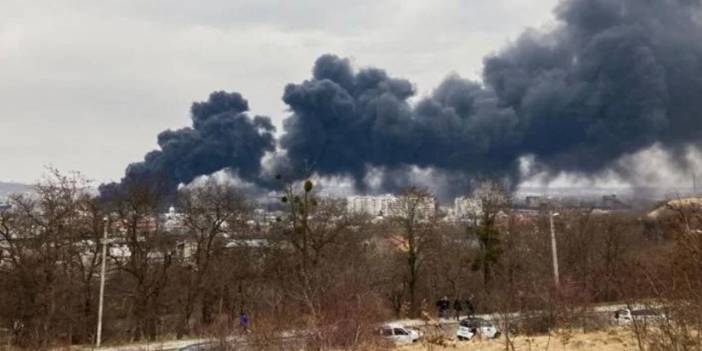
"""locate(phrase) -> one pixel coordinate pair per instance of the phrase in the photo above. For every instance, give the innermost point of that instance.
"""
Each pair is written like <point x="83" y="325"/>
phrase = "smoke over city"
<point x="612" y="78"/>
<point x="222" y="136"/>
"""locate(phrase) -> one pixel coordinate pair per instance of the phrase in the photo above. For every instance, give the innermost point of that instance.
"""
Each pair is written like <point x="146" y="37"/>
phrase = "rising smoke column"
<point x="222" y="136"/>
<point x="344" y="122"/>
<point x="613" y="78"/>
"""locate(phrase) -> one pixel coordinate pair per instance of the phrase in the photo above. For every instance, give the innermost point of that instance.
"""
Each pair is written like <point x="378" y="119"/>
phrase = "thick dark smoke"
<point x="223" y="136"/>
<point x="616" y="77"/>
<point x="345" y="122"/>
<point x="612" y="78"/>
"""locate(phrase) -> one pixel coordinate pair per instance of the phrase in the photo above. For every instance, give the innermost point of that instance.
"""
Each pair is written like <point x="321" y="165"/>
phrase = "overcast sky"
<point x="87" y="85"/>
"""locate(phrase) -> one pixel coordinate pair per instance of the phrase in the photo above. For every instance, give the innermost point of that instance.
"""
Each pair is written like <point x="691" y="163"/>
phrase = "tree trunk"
<point x="412" y="285"/>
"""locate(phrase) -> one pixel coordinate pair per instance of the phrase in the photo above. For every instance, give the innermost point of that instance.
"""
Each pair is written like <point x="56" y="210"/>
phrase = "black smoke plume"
<point x="613" y="77"/>
<point x="222" y="136"/>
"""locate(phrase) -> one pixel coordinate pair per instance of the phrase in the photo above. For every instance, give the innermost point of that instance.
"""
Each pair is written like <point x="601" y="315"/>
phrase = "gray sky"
<point x="87" y="85"/>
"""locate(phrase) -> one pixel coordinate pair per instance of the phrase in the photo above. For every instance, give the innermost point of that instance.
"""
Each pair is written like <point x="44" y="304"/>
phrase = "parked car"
<point x="470" y="327"/>
<point x="626" y="316"/>
<point x="400" y="334"/>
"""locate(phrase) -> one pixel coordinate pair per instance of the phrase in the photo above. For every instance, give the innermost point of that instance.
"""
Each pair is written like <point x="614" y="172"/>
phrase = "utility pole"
<point x="694" y="184"/>
<point x="102" y="283"/>
<point x="554" y="251"/>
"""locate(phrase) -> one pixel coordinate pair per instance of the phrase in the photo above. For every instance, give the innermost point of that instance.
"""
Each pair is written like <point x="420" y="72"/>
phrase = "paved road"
<point x="494" y="316"/>
<point x="448" y="326"/>
<point x="283" y="343"/>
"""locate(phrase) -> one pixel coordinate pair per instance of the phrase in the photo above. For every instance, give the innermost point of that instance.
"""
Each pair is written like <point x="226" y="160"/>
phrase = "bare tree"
<point x="85" y="260"/>
<point x="311" y="227"/>
<point x="45" y="239"/>
<point x="321" y="244"/>
<point x="493" y="201"/>
<point x="416" y="218"/>
<point x="674" y="277"/>
<point x="145" y="256"/>
<point x="209" y="212"/>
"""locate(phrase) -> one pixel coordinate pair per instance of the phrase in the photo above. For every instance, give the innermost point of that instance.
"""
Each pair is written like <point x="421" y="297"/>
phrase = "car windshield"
<point x="644" y="313"/>
<point x="475" y="323"/>
<point x="399" y="331"/>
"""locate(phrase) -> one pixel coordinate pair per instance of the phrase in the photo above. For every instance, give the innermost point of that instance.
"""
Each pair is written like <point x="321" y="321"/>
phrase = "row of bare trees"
<point x="316" y="268"/>
<point x="47" y="264"/>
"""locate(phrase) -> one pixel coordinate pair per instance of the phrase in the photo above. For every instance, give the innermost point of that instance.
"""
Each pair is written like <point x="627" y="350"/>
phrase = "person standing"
<point x="470" y="309"/>
<point x="457" y="308"/>
<point x="244" y="321"/>
<point x="443" y="306"/>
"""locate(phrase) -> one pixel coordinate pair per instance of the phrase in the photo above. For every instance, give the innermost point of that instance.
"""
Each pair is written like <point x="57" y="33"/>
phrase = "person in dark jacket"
<point x="443" y="305"/>
<point x="438" y="307"/>
<point x="457" y="308"/>
<point x="470" y="309"/>
<point x="244" y="321"/>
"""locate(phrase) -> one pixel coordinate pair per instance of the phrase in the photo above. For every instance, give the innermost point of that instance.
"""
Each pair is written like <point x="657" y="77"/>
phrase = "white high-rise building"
<point x="387" y="205"/>
<point x="382" y="205"/>
<point x="467" y="208"/>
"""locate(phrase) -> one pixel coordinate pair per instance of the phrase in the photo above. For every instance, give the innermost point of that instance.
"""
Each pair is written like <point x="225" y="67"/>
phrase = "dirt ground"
<point x="611" y="340"/>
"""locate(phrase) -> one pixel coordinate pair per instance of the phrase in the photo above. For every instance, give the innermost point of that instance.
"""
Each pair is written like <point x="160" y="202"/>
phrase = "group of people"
<point x="444" y="305"/>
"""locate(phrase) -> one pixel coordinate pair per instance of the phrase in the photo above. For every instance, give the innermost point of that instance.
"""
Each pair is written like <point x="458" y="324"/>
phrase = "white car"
<point x="400" y="334"/>
<point x="626" y="316"/>
<point x="470" y="327"/>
